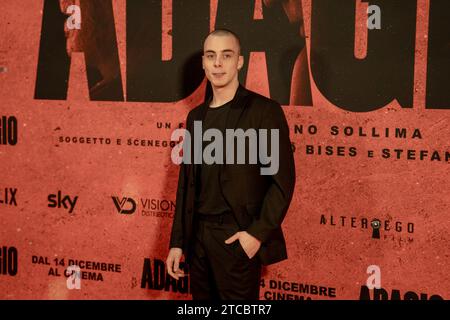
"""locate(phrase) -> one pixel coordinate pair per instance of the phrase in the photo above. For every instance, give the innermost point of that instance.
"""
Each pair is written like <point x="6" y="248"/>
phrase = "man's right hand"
<point x="173" y="263"/>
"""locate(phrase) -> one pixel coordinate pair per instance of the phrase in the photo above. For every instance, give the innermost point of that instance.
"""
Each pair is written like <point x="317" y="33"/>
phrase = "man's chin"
<point x="219" y="84"/>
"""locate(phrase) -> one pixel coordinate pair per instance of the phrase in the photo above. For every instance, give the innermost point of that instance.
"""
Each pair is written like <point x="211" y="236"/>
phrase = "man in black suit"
<point x="228" y="215"/>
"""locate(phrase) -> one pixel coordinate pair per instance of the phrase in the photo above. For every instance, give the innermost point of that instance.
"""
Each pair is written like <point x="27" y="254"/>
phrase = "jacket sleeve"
<point x="176" y="237"/>
<point x="279" y="195"/>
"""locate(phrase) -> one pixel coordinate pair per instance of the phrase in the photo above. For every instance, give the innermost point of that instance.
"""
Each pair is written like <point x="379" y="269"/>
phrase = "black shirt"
<point x="209" y="198"/>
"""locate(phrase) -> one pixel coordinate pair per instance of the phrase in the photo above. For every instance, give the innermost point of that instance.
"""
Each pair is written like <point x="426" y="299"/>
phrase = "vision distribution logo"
<point x="147" y="207"/>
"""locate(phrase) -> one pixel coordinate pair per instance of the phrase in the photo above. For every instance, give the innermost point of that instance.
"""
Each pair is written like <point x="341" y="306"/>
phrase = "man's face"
<point x="221" y="60"/>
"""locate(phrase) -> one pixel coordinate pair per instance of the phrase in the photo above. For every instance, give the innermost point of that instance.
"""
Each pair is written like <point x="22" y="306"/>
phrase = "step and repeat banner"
<point x="91" y="91"/>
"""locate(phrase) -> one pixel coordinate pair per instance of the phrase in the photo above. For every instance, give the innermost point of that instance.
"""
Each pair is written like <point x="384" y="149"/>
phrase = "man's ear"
<point x="240" y="62"/>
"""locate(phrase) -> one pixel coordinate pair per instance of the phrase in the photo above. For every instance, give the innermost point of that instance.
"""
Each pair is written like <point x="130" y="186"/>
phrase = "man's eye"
<point x="227" y="55"/>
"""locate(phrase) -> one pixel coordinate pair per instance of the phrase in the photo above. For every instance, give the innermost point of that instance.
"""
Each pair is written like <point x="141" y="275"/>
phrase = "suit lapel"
<point x="238" y="105"/>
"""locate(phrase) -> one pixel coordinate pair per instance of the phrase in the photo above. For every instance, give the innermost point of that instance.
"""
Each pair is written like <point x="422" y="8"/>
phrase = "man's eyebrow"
<point x="226" y="50"/>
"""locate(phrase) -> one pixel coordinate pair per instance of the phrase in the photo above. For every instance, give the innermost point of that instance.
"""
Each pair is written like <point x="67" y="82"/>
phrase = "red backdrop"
<point x="106" y="204"/>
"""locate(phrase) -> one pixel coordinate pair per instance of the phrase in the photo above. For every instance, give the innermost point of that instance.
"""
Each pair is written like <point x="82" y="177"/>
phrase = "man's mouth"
<point x="218" y="75"/>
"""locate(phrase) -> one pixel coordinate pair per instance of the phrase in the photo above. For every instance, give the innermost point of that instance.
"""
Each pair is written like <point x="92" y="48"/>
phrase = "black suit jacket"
<point x="259" y="202"/>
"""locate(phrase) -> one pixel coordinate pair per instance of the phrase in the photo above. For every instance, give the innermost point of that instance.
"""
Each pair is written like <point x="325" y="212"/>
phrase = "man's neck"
<point x="224" y="94"/>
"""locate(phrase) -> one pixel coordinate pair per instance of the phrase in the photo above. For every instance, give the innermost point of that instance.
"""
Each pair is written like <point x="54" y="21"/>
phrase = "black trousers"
<point x="220" y="271"/>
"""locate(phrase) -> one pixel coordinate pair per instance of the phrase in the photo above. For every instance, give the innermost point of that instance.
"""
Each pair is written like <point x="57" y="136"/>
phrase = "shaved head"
<point x="225" y="32"/>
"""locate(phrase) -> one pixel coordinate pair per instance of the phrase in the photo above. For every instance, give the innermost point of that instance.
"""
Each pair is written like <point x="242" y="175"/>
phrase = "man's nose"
<point x="218" y="61"/>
